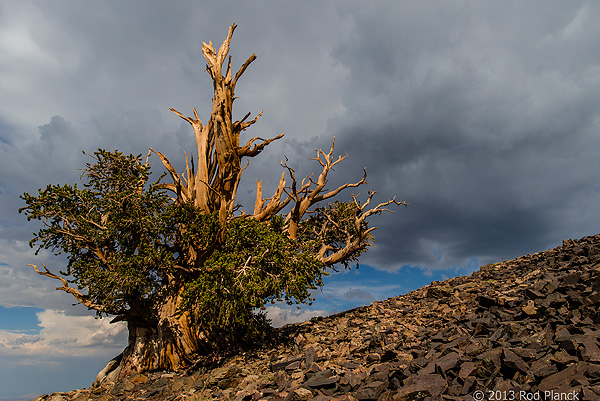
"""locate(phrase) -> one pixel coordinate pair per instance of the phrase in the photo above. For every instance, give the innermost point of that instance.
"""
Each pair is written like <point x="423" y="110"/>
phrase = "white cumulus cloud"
<point x="64" y="335"/>
<point x="282" y="316"/>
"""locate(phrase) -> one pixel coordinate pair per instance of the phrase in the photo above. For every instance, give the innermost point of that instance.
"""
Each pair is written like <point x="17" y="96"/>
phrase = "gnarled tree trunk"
<point x="170" y="342"/>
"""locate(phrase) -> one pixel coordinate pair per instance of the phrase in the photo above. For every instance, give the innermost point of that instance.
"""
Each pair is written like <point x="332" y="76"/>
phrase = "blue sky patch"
<point x="352" y="288"/>
<point x="20" y="318"/>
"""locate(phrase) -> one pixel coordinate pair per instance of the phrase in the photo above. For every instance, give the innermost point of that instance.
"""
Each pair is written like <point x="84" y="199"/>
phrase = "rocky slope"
<point x="525" y="329"/>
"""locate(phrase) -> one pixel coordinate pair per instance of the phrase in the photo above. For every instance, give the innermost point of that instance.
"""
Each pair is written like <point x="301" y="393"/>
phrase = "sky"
<point x="483" y="115"/>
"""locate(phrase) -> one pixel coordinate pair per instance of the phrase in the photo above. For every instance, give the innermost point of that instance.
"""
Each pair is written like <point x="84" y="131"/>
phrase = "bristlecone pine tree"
<point x="188" y="273"/>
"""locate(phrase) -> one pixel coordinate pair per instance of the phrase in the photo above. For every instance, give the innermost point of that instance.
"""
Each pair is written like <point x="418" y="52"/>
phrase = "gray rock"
<point x="528" y="324"/>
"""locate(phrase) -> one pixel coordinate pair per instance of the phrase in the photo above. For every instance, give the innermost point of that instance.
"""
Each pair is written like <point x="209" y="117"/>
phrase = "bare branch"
<point x="228" y="73"/>
<point x="224" y="49"/>
<point x="178" y="185"/>
<point x="147" y="163"/>
<point x="241" y="125"/>
<point x="380" y="208"/>
<point x="84" y="299"/>
<point x="209" y="54"/>
<point x="245" y="151"/>
<point x="341" y="188"/>
<point x="309" y="195"/>
<point x="258" y="204"/>
<point x="188" y="119"/>
<point x="190" y="179"/>
<point x="238" y="123"/>
<point x="242" y="69"/>
<point x="358" y="240"/>
<point x="246" y="166"/>
<point x="275" y="203"/>
<point x="168" y="186"/>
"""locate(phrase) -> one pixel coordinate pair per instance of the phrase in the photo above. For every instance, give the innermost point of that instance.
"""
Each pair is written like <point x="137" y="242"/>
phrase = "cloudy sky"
<point x="485" y="116"/>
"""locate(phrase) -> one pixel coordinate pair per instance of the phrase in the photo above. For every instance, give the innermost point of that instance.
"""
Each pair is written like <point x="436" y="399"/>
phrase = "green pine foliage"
<point x="254" y="264"/>
<point x="113" y="230"/>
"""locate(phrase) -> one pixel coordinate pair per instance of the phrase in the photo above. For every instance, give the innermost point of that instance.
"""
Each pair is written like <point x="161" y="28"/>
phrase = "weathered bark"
<point x="170" y="342"/>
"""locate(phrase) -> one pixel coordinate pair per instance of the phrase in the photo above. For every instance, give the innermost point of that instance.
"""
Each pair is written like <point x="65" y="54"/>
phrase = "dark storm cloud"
<point x="488" y="125"/>
<point x="356" y="294"/>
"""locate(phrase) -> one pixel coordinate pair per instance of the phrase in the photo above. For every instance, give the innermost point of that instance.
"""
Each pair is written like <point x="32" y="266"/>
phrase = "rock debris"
<point x="527" y="328"/>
